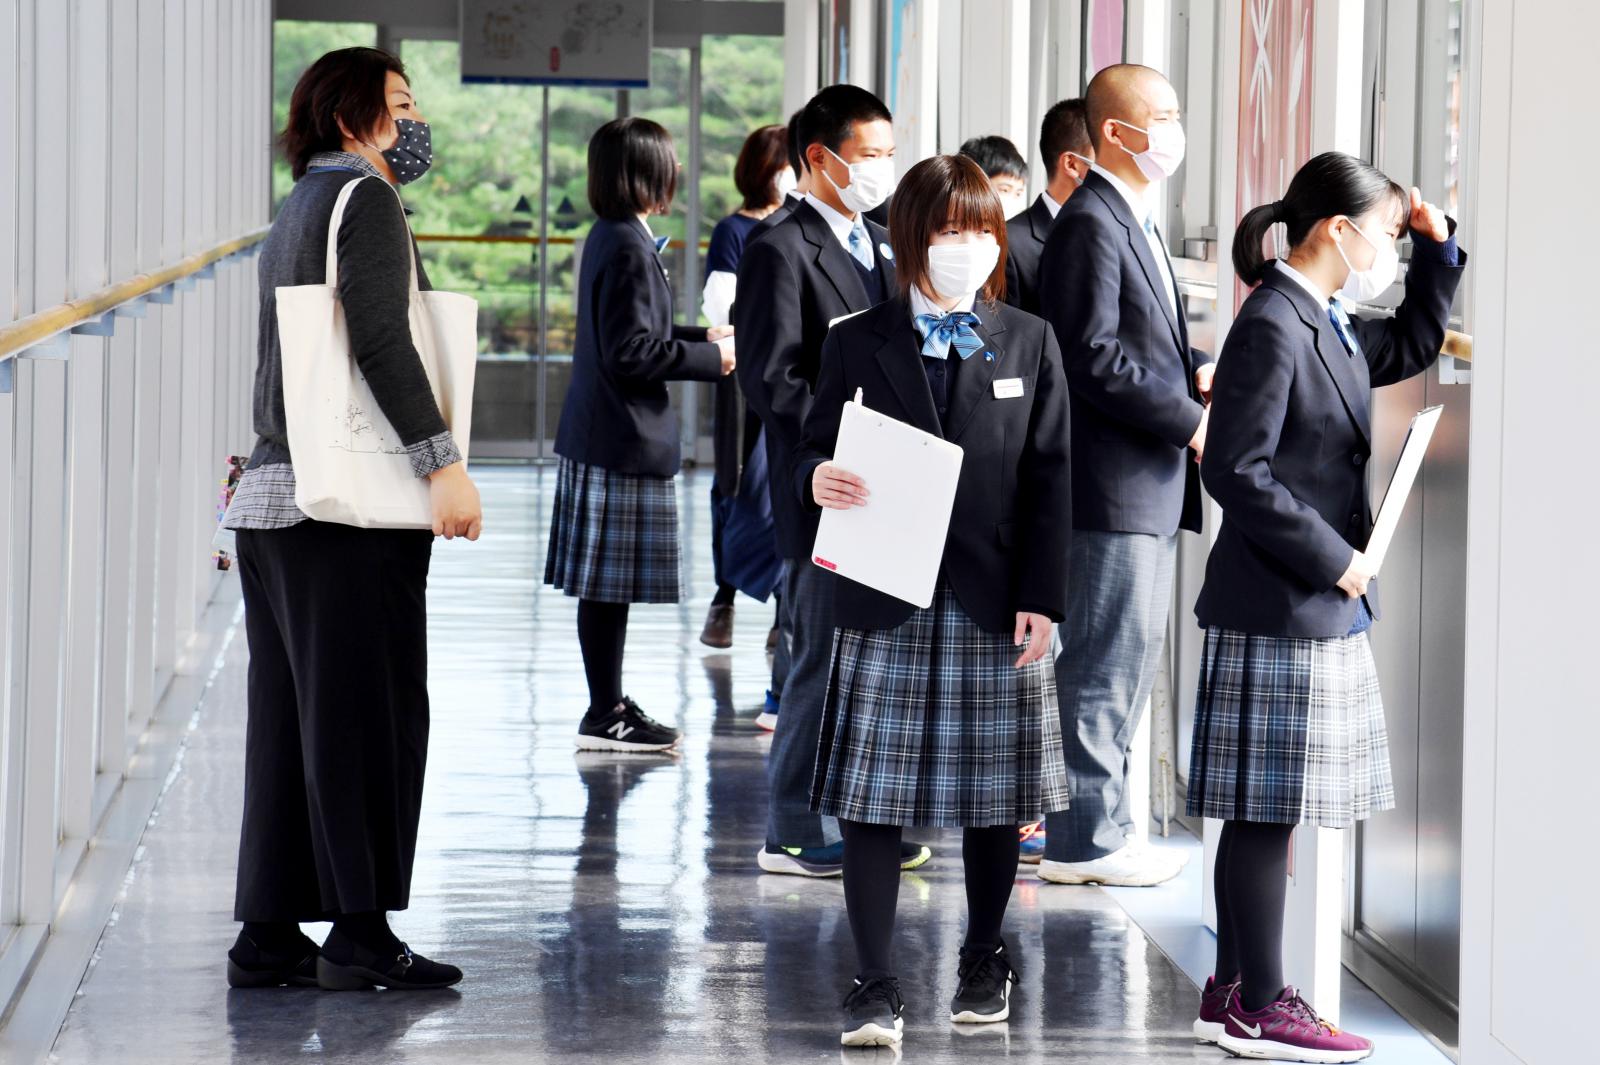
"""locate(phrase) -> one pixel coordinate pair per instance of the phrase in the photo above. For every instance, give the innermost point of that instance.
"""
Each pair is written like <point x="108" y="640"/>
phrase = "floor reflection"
<point x="602" y="906"/>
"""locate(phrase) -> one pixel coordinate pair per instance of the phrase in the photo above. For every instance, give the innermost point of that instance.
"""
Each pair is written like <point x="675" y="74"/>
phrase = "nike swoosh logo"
<point x="1253" y="1031"/>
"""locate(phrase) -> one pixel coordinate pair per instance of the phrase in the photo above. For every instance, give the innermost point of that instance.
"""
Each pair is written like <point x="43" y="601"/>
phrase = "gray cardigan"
<point x="375" y="249"/>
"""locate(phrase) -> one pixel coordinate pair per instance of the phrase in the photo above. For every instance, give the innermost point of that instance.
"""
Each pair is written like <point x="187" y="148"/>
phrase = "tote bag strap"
<point x="336" y="220"/>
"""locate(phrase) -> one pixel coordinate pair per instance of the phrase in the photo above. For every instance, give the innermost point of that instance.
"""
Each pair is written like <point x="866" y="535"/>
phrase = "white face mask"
<point x="871" y="182"/>
<point x="957" y="271"/>
<point x="1013" y="204"/>
<point x="1363" y="286"/>
<point x="786" y="183"/>
<point x="1087" y="163"/>
<point x="1164" y="154"/>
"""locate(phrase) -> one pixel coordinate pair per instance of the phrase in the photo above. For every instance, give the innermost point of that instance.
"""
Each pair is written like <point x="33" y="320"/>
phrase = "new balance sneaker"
<point x="913" y="855"/>
<point x="1032" y="850"/>
<point x="1128" y="867"/>
<point x="802" y="861"/>
<point x="1214" y="1002"/>
<point x="1288" y="1030"/>
<point x="767" y="720"/>
<point x="983" y="986"/>
<point x="872" y="1013"/>
<point x="625" y="727"/>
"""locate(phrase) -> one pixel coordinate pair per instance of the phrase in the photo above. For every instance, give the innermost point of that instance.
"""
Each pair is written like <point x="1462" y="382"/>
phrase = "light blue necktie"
<point x="954" y="329"/>
<point x="1341" y="325"/>
<point x="861" y="245"/>
<point x="661" y="244"/>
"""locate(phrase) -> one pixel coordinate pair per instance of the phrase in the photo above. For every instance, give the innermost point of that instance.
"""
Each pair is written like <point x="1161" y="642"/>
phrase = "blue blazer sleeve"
<point x="770" y="334"/>
<point x="821" y="429"/>
<point x="1407" y="344"/>
<point x="1086" y="313"/>
<point x="1044" y="492"/>
<point x="629" y="345"/>
<point x="1249" y="399"/>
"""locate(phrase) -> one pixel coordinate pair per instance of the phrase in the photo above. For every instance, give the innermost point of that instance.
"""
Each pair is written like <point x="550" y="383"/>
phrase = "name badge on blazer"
<point x="1008" y="388"/>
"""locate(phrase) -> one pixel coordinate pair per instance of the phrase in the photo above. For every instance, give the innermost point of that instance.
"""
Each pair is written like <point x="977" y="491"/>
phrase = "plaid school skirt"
<point x="931" y="724"/>
<point x="1289" y="730"/>
<point x="613" y="536"/>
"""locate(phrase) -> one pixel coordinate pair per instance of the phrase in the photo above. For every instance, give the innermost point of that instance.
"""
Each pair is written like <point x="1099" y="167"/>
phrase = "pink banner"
<point x="1274" y="104"/>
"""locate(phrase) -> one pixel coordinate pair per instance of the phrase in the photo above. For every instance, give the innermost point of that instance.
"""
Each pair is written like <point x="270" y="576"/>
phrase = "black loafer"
<point x="344" y="965"/>
<point x="250" y="966"/>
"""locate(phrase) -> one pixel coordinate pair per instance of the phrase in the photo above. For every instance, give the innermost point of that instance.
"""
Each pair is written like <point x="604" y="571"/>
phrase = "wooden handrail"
<point x="26" y="332"/>
<point x="512" y="238"/>
<point x="1457" y="345"/>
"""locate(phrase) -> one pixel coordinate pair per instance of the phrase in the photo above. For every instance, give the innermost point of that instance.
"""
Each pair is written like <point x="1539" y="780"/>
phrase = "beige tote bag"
<point x="349" y="465"/>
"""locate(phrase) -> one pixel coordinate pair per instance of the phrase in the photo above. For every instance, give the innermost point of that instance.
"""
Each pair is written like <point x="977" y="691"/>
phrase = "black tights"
<point x="1251" y="882"/>
<point x="872" y="886"/>
<point x="724" y="596"/>
<point x="602" y="633"/>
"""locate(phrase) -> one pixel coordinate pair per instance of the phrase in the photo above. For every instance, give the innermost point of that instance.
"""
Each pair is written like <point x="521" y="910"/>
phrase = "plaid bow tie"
<point x="955" y="328"/>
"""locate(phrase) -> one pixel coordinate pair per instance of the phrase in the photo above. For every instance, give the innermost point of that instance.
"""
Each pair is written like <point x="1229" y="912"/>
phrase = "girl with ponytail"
<point x="1289" y="722"/>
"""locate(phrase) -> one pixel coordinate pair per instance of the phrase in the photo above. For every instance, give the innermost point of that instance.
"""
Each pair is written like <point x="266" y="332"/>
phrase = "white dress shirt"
<point x="1304" y="282"/>
<point x="1142" y="210"/>
<point x="839" y="223"/>
<point x="1050" y="204"/>
<point x="921" y="304"/>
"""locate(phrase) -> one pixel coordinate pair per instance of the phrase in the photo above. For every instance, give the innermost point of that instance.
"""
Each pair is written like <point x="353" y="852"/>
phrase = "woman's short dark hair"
<point x="939" y="190"/>
<point x="632" y="168"/>
<point x="1330" y="185"/>
<point x="345" y="85"/>
<point x="996" y="157"/>
<point x="765" y="154"/>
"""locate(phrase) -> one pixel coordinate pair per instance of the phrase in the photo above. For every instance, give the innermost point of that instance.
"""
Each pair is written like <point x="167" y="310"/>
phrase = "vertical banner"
<point x="604" y="43"/>
<point x="1105" y="25"/>
<point x="1274" y="105"/>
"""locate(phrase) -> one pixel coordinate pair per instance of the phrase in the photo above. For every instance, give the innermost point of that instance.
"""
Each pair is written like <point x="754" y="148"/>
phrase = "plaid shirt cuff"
<point x="433" y="454"/>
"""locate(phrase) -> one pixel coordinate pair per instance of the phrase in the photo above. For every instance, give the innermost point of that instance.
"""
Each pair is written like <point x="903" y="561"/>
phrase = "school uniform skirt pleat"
<point x="930" y="723"/>
<point x="1289" y="731"/>
<point x="614" y="536"/>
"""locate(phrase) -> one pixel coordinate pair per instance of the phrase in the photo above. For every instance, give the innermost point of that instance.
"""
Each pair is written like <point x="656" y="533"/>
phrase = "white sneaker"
<point x="1128" y="867"/>
<point x="1176" y="854"/>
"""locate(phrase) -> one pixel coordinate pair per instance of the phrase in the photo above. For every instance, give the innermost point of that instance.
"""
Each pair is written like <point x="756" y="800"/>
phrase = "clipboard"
<point x="1405" y="475"/>
<point x="895" y="543"/>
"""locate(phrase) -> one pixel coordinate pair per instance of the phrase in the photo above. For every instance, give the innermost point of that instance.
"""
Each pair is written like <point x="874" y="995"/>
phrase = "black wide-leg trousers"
<point x="337" y="739"/>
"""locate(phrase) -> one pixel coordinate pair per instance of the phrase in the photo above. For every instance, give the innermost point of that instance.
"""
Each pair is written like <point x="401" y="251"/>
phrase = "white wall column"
<point x="1530" y="731"/>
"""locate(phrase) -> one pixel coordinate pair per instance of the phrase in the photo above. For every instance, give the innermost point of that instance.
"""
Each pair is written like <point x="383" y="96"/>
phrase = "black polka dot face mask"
<point x="412" y="154"/>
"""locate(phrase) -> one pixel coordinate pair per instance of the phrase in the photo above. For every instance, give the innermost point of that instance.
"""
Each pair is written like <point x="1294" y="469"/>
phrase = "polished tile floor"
<point x="604" y="908"/>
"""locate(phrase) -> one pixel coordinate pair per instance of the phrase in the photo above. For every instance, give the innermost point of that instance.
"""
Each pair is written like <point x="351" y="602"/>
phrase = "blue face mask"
<point x="412" y="154"/>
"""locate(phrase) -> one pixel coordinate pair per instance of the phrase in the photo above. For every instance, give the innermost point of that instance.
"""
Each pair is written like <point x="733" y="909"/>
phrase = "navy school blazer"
<point x="1129" y="365"/>
<point x="1025" y="237"/>
<point x="794" y="279"/>
<point x="617" y="414"/>
<point x="1286" y="454"/>
<point x="1011" y="526"/>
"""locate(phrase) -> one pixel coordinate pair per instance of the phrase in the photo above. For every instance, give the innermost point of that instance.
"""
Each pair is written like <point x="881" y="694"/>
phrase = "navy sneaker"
<point x="983" y="989"/>
<point x="802" y="861"/>
<point x="767" y="720"/>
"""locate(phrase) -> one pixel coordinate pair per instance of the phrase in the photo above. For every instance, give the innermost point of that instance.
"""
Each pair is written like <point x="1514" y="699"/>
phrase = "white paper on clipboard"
<point x="895" y="543"/>
<point x="1405" y="475"/>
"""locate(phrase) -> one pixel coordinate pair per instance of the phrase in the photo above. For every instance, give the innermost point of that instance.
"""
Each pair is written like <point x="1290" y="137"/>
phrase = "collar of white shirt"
<point x="1304" y="282"/>
<point x="1136" y="202"/>
<point x="921" y="304"/>
<point x="840" y="224"/>
<point x="1050" y="204"/>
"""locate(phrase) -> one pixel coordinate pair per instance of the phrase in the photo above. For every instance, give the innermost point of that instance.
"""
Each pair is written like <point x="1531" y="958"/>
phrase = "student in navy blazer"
<point x="1289" y="725"/>
<point x="1138" y="411"/>
<point x="1064" y="145"/>
<point x="945" y="715"/>
<point x="614" y="524"/>
<point x="825" y="261"/>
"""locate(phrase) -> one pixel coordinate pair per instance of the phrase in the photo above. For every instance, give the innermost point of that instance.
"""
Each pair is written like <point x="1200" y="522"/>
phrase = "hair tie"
<point x="1280" y="211"/>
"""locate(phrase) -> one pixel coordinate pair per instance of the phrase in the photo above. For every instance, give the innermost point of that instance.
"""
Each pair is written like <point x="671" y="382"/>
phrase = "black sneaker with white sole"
<point x="625" y="727"/>
<point x="872" y="1013"/>
<point x="983" y="988"/>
